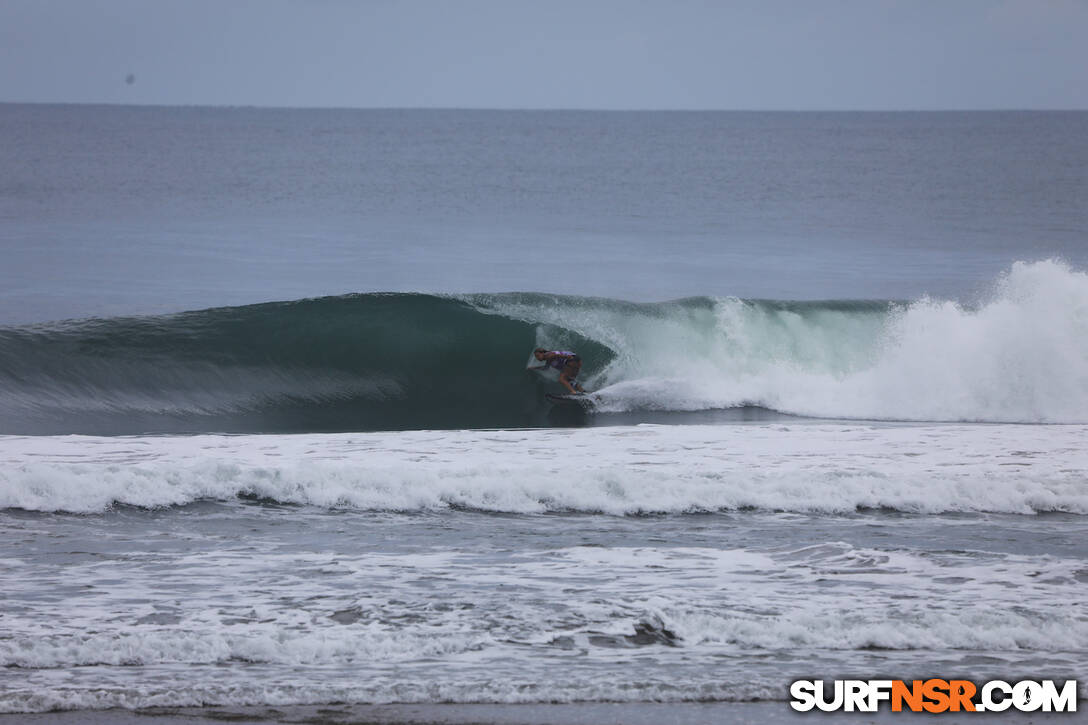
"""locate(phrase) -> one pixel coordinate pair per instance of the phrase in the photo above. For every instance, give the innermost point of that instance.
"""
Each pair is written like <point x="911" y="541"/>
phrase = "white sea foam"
<point x="644" y="469"/>
<point x="436" y="625"/>
<point x="1019" y="355"/>
<point x="268" y="606"/>
<point x="270" y="645"/>
<point x="480" y="688"/>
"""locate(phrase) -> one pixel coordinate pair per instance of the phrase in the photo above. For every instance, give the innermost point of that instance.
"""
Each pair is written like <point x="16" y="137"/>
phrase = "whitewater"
<point x="628" y="470"/>
<point x="622" y="564"/>
<point x="271" y="569"/>
<point x="1019" y="353"/>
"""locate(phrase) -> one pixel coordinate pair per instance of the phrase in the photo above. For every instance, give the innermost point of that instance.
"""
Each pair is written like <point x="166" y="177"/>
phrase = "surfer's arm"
<point x="548" y="357"/>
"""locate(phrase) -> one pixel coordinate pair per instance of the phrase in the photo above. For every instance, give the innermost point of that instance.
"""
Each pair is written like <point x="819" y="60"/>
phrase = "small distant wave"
<point x="413" y="361"/>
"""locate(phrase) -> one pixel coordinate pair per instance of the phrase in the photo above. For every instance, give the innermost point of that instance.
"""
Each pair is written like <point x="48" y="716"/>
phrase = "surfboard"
<point x="579" y="399"/>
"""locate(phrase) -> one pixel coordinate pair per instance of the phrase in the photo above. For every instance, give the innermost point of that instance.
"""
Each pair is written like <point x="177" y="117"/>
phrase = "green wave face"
<point x="358" y="362"/>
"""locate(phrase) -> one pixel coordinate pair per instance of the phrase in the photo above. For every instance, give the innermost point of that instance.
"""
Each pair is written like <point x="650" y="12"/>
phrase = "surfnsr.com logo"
<point x="934" y="695"/>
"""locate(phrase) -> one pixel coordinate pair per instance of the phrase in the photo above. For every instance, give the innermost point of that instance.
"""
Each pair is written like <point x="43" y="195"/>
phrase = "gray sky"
<point x="747" y="54"/>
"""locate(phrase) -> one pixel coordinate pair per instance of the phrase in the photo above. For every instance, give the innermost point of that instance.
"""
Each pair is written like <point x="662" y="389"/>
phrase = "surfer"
<point x="566" y="362"/>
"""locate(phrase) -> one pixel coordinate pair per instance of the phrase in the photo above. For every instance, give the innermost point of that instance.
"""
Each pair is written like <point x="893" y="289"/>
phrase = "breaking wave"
<point x="406" y="361"/>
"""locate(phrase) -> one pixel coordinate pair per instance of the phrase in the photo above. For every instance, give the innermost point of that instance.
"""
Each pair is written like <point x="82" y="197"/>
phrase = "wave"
<point x="621" y="470"/>
<point x="407" y="361"/>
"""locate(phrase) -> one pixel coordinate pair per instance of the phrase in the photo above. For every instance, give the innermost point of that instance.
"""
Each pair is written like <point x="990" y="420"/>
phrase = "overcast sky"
<point x="637" y="54"/>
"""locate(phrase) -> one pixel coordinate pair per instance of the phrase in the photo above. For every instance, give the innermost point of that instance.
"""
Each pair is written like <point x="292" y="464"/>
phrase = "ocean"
<point x="269" y="448"/>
